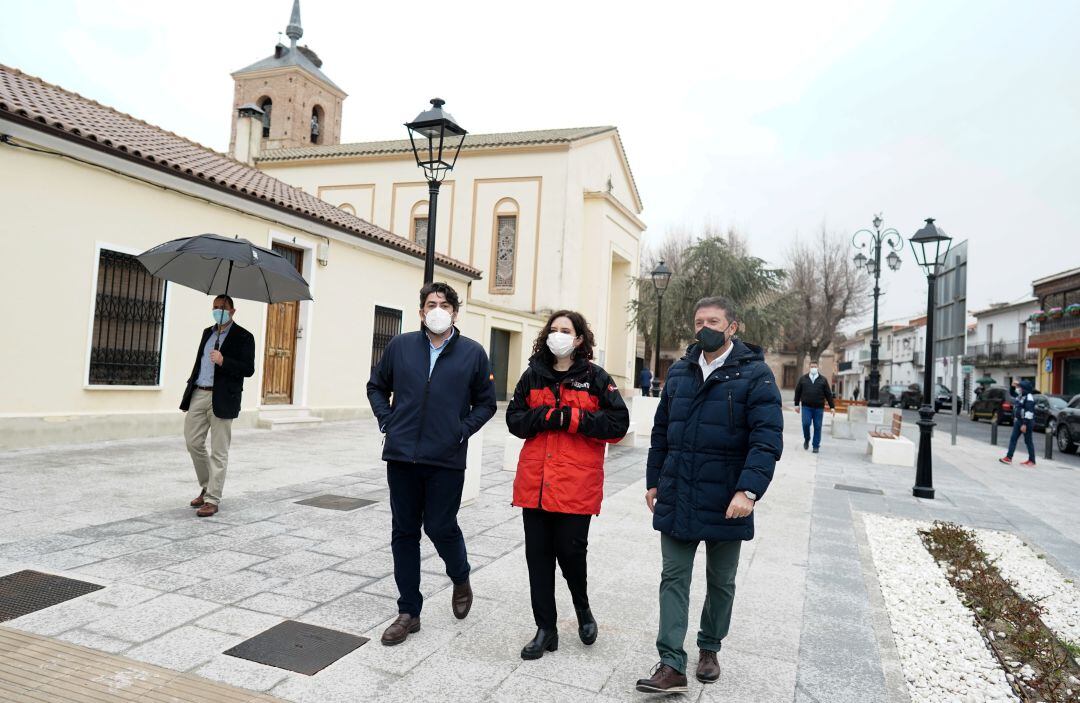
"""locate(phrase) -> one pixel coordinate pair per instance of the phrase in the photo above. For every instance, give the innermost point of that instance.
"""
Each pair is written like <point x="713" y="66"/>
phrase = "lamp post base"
<point x="924" y="467"/>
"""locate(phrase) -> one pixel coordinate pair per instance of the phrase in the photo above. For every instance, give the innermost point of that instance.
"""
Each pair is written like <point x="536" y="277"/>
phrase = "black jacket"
<point x="429" y="420"/>
<point x="238" y="363"/>
<point x="813" y="394"/>
<point x="711" y="438"/>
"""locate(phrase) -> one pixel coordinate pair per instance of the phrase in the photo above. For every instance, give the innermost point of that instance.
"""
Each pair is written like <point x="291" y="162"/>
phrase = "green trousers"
<point x="721" y="564"/>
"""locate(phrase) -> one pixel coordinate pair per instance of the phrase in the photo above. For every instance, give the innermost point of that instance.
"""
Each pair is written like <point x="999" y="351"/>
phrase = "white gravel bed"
<point x="942" y="653"/>
<point x="1035" y="580"/>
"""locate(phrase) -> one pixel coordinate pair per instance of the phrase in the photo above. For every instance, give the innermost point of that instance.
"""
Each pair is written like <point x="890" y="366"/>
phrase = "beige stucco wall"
<point x="573" y="251"/>
<point x="59" y="212"/>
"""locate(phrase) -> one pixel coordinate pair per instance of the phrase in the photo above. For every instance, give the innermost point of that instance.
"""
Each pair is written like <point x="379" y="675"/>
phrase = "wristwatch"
<point x="751" y="495"/>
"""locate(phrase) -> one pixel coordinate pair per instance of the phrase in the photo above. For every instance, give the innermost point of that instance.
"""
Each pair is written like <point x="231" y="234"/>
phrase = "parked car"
<point x="1047" y="408"/>
<point x="994" y="403"/>
<point x="912" y="397"/>
<point x="1067" y="426"/>
<point x="889" y="395"/>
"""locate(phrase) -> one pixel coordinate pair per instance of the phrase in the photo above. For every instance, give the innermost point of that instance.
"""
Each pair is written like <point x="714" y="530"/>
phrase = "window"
<point x="504" y="247"/>
<point x="387" y="326"/>
<point x="129" y="316"/>
<point x="418" y="219"/>
<point x="317" y="124"/>
<point x="266" y="105"/>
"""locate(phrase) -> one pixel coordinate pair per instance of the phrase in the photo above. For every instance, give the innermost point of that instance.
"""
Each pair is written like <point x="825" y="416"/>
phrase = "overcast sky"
<point x="771" y="117"/>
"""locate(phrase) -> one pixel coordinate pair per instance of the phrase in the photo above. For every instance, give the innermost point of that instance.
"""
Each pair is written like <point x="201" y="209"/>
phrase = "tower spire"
<point x="294" y="31"/>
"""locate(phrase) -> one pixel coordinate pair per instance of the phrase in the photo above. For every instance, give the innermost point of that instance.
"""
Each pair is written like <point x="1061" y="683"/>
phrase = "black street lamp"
<point x="436" y="142"/>
<point x="930" y="246"/>
<point x="872" y="241"/>
<point x="661" y="277"/>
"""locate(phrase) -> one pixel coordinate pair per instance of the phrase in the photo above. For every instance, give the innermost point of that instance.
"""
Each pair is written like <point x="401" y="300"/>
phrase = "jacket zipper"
<point x="423" y="404"/>
<point x="731" y="410"/>
<point x="540" y="501"/>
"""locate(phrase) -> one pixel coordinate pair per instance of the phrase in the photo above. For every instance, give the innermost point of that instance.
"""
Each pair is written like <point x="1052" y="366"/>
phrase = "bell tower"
<point x="300" y="105"/>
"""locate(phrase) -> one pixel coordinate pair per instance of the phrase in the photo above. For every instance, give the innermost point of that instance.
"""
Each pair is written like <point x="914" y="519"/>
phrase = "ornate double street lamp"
<point x="872" y="242"/>
<point x="436" y="142"/>
<point x="661" y="277"/>
<point x="930" y="246"/>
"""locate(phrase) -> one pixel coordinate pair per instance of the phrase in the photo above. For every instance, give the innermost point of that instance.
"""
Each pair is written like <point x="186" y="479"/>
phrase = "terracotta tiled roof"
<point x="52" y="109"/>
<point x="498" y="140"/>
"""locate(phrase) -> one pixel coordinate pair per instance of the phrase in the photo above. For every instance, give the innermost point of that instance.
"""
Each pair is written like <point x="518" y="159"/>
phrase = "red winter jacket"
<point x="563" y="471"/>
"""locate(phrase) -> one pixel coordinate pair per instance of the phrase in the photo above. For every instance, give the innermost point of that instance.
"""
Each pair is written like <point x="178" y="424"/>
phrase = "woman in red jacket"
<point x="566" y="408"/>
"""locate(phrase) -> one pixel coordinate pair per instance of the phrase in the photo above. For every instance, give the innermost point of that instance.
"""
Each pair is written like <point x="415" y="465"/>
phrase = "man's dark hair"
<point x="581" y="329"/>
<point x="228" y="301"/>
<point x="442" y="289"/>
<point x="718" y="301"/>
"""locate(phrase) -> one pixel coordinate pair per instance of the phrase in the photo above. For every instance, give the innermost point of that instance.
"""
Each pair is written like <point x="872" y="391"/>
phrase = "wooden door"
<point x="282" y="322"/>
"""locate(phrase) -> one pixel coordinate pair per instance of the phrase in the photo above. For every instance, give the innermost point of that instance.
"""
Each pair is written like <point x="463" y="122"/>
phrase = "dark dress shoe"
<point x="400" y="629"/>
<point x="806" y="444"/>
<point x="198" y="502"/>
<point x="461" y="601"/>
<point x="708" y="669"/>
<point x="586" y="628"/>
<point x="207" y="510"/>
<point x="815" y="450"/>
<point x="545" y="641"/>
<point x="664" y="679"/>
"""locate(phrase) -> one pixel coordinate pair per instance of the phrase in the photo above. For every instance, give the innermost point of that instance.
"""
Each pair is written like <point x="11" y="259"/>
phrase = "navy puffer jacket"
<point x="713" y="437"/>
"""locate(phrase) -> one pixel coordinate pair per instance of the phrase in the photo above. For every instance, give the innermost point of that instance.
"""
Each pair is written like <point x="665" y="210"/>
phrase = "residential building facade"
<point x="1001" y="353"/>
<point x="1056" y="335"/>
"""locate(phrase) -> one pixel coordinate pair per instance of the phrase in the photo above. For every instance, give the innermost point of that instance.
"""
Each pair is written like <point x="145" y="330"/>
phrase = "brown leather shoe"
<point x="198" y="502"/>
<point x="400" y="629"/>
<point x="207" y="510"/>
<point x="708" y="669"/>
<point x="664" y="680"/>
<point x="462" y="600"/>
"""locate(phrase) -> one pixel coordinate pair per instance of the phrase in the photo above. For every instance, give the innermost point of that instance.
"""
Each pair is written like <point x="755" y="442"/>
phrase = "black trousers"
<point x="427" y="497"/>
<point x="551" y="537"/>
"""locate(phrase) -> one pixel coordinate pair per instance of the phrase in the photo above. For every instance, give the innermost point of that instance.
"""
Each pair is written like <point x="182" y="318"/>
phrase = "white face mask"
<point x="813" y="373"/>
<point x="438" y="320"/>
<point x="561" y="344"/>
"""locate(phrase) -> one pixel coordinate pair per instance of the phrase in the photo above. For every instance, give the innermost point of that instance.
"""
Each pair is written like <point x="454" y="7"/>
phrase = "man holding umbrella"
<point x="227" y="267"/>
<point x="226" y="356"/>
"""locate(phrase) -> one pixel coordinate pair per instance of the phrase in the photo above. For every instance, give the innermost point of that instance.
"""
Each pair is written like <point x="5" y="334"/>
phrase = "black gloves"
<point x="559" y="419"/>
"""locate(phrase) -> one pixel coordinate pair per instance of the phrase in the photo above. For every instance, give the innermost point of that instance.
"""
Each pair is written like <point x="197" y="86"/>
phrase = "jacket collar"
<point x="540" y="365"/>
<point x="741" y="352"/>
<point x="450" y="343"/>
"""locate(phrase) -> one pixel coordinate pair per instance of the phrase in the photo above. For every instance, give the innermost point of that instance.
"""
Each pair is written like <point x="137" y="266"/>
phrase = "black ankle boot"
<point x="545" y="641"/>
<point x="586" y="626"/>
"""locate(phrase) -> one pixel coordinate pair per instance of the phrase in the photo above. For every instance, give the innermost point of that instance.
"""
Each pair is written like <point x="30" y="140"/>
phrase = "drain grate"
<point x="333" y="502"/>
<point x="296" y="646"/>
<point x="25" y="592"/>
<point x="859" y="489"/>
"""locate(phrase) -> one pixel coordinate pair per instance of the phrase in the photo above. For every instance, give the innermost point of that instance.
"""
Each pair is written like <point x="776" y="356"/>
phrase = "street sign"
<point x="1048" y="364"/>
<point x="950" y="315"/>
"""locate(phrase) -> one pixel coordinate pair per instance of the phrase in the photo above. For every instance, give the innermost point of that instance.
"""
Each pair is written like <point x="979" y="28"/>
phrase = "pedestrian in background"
<point x="645" y="381"/>
<point x="1023" y="422"/>
<point x="855" y="394"/>
<point x="226" y="356"/>
<point x="716" y="438"/>
<point x="430" y="392"/>
<point x="813" y="392"/>
<point x="566" y="408"/>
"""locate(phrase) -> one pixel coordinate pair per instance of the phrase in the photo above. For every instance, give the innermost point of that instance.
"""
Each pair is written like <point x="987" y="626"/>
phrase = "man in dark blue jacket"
<point x="430" y="392"/>
<point x="1023" y="422"/>
<point x="716" y="438"/>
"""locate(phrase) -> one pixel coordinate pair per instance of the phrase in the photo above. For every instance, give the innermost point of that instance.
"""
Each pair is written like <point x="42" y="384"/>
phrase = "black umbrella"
<point x="222" y="266"/>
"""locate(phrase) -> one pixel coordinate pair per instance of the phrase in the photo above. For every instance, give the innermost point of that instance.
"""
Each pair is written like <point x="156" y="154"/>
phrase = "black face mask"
<point x="710" y="340"/>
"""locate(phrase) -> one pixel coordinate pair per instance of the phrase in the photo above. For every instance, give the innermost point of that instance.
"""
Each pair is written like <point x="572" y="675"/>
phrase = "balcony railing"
<point x="1001" y="354"/>
<point x="1066" y="322"/>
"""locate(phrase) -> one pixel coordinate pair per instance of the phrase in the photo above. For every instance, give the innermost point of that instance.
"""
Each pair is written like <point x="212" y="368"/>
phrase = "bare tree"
<point x="825" y="289"/>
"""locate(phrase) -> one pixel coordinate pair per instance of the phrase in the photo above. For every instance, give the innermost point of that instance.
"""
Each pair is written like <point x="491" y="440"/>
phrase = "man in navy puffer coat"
<point x="716" y="438"/>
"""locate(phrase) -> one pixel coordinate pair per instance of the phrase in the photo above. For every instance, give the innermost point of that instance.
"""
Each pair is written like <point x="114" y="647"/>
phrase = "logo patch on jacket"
<point x="580" y="384"/>
<point x="611" y="388"/>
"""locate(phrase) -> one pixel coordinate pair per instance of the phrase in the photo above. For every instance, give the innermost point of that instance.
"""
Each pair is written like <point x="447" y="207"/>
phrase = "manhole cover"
<point x="25" y="592"/>
<point x="858" y="489"/>
<point x="332" y="502"/>
<point x="296" y="646"/>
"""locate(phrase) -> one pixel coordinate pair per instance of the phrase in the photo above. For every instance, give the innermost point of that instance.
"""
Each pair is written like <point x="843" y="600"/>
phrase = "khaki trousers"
<point x="209" y="467"/>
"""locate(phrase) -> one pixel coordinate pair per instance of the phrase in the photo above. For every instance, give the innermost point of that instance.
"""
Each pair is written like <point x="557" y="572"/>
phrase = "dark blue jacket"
<point x="645" y="379"/>
<point x="429" y="421"/>
<point x="710" y="439"/>
<point x="1024" y="404"/>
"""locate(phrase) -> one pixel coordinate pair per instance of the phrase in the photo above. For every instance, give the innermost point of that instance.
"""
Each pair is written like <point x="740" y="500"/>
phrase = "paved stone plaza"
<point x="809" y="623"/>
